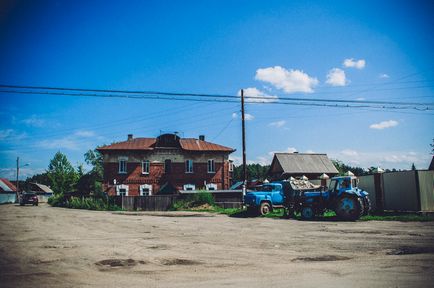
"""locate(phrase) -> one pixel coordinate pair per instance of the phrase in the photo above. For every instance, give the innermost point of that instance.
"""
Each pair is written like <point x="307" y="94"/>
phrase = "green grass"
<point x="413" y="217"/>
<point x="331" y="215"/>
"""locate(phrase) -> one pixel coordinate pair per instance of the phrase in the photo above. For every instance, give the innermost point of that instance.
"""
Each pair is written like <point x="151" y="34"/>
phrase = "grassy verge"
<point x="399" y="217"/>
<point x="330" y="215"/>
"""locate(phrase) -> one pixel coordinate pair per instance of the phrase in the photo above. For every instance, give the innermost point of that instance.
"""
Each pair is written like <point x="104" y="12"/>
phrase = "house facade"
<point x="165" y="165"/>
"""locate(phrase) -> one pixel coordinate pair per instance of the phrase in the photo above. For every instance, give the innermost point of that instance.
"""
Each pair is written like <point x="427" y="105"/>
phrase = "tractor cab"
<point x="339" y="185"/>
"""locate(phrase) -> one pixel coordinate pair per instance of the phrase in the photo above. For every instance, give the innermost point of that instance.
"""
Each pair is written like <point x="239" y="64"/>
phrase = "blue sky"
<point x="354" y="50"/>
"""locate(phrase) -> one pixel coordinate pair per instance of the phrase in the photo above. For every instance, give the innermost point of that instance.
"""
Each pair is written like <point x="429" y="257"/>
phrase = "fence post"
<point x="379" y="192"/>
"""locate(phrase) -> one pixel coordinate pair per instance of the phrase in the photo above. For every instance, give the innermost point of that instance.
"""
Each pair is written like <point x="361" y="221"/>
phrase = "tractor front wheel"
<point x="349" y="208"/>
<point x="367" y="206"/>
<point x="307" y="213"/>
<point x="265" y="208"/>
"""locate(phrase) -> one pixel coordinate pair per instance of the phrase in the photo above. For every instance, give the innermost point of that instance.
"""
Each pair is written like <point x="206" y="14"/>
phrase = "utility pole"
<point x="18" y="172"/>
<point x="244" y="143"/>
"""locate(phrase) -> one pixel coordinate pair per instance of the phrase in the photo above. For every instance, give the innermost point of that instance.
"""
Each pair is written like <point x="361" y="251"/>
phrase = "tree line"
<point x="63" y="178"/>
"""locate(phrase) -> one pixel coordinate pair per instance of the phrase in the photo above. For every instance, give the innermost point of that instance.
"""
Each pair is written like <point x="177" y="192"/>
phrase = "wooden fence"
<point x="146" y="203"/>
<point x="164" y="202"/>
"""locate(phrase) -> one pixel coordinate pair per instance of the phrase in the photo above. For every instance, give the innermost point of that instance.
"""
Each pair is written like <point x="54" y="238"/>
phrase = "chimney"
<point x="202" y="137"/>
<point x="130" y="137"/>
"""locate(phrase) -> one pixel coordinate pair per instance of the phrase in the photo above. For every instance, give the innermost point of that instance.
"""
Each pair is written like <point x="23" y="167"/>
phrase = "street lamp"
<point x="18" y="173"/>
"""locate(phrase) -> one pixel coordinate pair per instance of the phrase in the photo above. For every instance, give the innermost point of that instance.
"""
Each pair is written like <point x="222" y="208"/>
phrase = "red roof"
<point x="187" y="144"/>
<point x="134" y="144"/>
<point x="7" y="186"/>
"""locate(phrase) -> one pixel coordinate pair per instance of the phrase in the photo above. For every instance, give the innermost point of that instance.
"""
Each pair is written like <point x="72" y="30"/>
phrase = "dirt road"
<point x="54" y="247"/>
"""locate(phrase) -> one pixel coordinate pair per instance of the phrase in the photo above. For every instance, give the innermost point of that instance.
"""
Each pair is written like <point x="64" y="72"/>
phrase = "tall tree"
<point x="91" y="182"/>
<point x="61" y="174"/>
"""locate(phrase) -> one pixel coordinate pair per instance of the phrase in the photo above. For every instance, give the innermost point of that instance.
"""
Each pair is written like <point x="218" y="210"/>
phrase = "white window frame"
<point x="231" y="166"/>
<point x="187" y="167"/>
<point x="212" y="161"/>
<point x="146" y="164"/>
<point x="187" y="187"/>
<point x="120" y="160"/>
<point x="211" y="185"/>
<point x="145" y="186"/>
<point x="122" y="186"/>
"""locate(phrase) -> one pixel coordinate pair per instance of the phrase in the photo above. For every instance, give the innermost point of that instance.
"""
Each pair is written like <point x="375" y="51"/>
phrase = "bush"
<point x="57" y="200"/>
<point x="194" y="200"/>
<point x="200" y="198"/>
<point x="87" y="203"/>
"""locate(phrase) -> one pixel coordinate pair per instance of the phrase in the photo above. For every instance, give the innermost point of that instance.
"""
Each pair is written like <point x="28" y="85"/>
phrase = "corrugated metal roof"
<point x="7" y="186"/>
<point x="188" y="144"/>
<point x="134" y="144"/>
<point x="43" y="187"/>
<point x="192" y="144"/>
<point x="299" y="163"/>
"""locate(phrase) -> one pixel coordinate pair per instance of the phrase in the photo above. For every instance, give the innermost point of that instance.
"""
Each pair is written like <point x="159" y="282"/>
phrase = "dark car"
<point x="28" y="198"/>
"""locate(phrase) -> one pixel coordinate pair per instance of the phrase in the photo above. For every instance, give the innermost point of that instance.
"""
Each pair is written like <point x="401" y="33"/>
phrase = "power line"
<point x="216" y="98"/>
<point x="150" y="93"/>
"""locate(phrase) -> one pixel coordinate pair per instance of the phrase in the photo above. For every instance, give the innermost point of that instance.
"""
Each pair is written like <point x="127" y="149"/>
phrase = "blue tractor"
<point x="300" y="196"/>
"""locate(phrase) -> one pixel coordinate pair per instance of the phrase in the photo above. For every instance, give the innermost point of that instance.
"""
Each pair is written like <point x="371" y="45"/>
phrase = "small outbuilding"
<point x="7" y="191"/>
<point x="286" y="165"/>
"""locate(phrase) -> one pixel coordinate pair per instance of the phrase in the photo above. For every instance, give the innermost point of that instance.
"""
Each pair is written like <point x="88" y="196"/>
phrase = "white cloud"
<point x="383" y="159"/>
<point x="349" y="152"/>
<point x="25" y="172"/>
<point x="277" y="124"/>
<point x="384" y="76"/>
<point x="288" y="150"/>
<point x="254" y="95"/>
<point x="291" y="81"/>
<point x="6" y="133"/>
<point x="84" y="133"/>
<point x="247" y="116"/>
<point x="75" y="141"/>
<point x="10" y="135"/>
<point x="384" y="124"/>
<point x="352" y="63"/>
<point x="336" y="77"/>
<point x="361" y="99"/>
<point x="34" y="121"/>
<point x="66" y="143"/>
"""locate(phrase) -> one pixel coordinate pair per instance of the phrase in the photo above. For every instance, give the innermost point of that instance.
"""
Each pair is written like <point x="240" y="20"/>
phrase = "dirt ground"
<point x="54" y="247"/>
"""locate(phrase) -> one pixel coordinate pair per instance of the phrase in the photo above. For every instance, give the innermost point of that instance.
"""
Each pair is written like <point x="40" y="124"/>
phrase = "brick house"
<point x="165" y="165"/>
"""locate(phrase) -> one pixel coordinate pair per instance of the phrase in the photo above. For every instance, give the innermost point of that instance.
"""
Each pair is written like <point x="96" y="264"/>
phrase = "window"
<point x="122" y="190"/>
<point x="189" y="166"/>
<point x="145" y="190"/>
<point x="211" y="166"/>
<point x="145" y="167"/>
<point x="211" y="186"/>
<point x="231" y="166"/>
<point x="189" y="187"/>
<point x="167" y="165"/>
<point x="123" y="165"/>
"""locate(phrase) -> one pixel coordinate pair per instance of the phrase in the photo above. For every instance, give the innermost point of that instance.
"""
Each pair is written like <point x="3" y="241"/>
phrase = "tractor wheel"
<point x="265" y="208"/>
<point x="349" y="208"/>
<point x="307" y="213"/>
<point x="368" y="206"/>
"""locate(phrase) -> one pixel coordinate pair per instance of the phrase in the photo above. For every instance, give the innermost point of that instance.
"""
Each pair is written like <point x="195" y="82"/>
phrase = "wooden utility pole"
<point x="18" y="183"/>
<point x="244" y="143"/>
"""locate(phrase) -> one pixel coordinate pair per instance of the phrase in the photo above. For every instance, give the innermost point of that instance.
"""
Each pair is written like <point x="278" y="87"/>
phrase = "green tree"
<point x="413" y="167"/>
<point x="254" y="171"/>
<point x="91" y="182"/>
<point x="61" y="174"/>
<point x="343" y="168"/>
